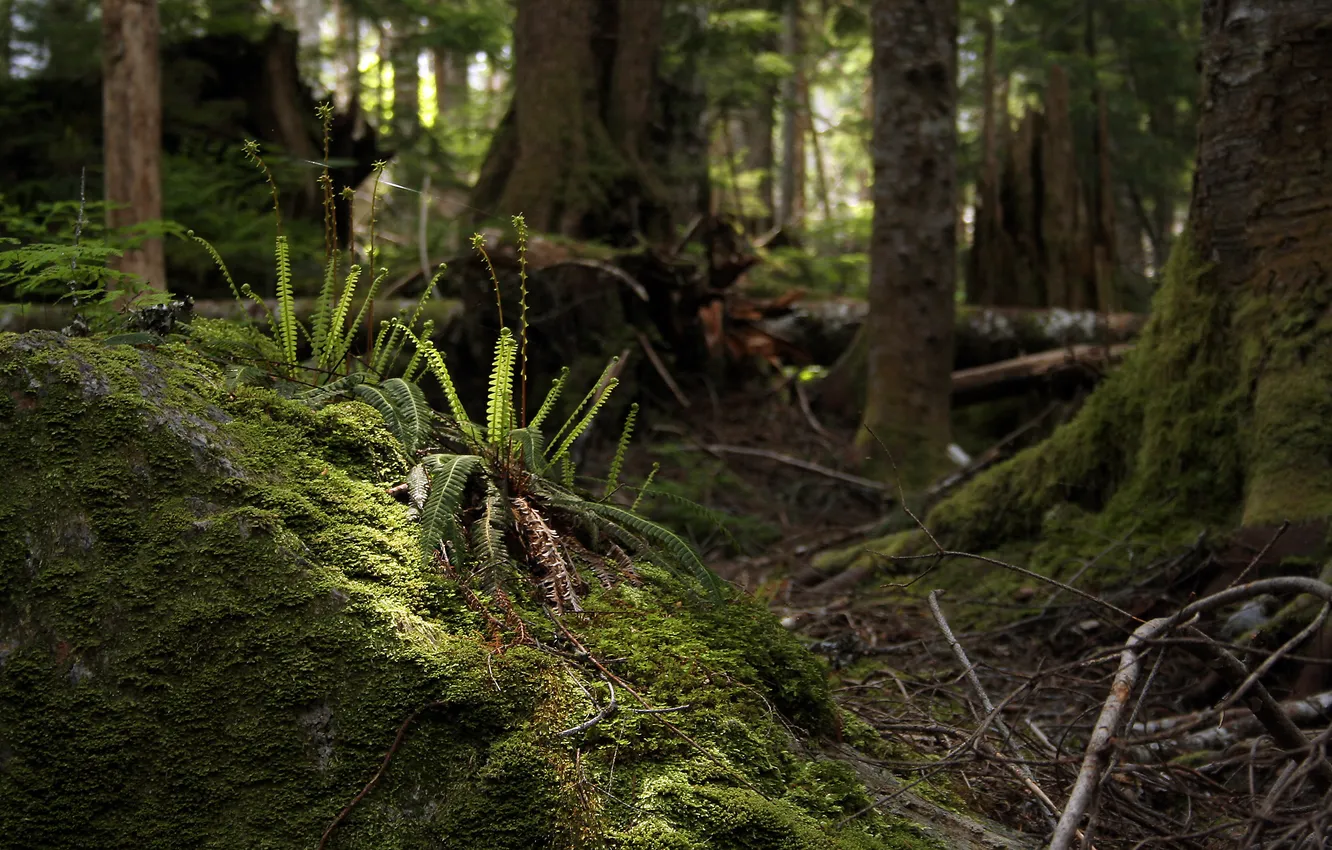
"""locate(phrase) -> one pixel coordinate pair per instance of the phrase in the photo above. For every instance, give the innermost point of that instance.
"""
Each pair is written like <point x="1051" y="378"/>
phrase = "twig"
<point x="1099" y="744"/>
<point x="369" y="786"/>
<point x="596" y="718"/>
<point x="655" y="360"/>
<point x="808" y="466"/>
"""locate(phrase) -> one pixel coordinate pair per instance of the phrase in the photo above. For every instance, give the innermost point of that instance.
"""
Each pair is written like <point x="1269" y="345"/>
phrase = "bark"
<point x="6" y="37"/>
<point x="132" y="127"/>
<point x="913" y="237"/>
<point x="587" y="144"/>
<point x="792" y="210"/>
<point x="757" y="126"/>
<point x="348" y="56"/>
<point x="452" y="90"/>
<point x="1223" y="409"/>
<point x="405" y="56"/>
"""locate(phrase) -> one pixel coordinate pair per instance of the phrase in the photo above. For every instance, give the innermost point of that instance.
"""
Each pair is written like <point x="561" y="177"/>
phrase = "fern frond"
<point x="499" y="410"/>
<point x="526" y="443"/>
<point x="286" y="302"/>
<point x="355" y="326"/>
<point x="413" y="413"/>
<point x="330" y="354"/>
<point x="409" y="373"/>
<point x="520" y="227"/>
<point x="373" y="395"/>
<point x="617" y="462"/>
<point x="671" y="544"/>
<point x="554" y="573"/>
<point x="324" y="303"/>
<point x="319" y="395"/>
<point x="599" y="386"/>
<point x="435" y="363"/>
<point x="552" y="396"/>
<point x="567" y="471"/>
<point x="243" y="291"/>
<point x="646" y="484"/>
<point x="488" y="538"/>
<point x="439" y="518"/>
<point x="586" y="420"/>
<point x="418" y="487"/>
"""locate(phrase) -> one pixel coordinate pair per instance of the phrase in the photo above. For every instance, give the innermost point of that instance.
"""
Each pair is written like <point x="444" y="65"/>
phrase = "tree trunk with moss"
<point x="1222" y="414"/>
<point x="576" y="152"/>
<point x="909" y="330"/>
<point x="132" y="129"/>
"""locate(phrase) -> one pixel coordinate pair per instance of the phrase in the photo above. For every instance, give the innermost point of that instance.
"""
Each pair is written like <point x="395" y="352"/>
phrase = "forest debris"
<point x="808" y="466"/>
<point x="1011" y="376"/>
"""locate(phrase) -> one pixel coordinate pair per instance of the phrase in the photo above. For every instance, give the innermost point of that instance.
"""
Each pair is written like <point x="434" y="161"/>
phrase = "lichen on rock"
<point x="214" y="621"/>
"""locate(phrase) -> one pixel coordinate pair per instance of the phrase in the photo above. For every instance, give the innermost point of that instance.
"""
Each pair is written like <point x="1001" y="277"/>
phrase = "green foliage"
<point x="63" y="251"/>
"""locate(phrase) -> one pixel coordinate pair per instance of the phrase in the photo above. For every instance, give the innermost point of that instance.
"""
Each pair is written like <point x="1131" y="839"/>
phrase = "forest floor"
<point x="782" y="481"/>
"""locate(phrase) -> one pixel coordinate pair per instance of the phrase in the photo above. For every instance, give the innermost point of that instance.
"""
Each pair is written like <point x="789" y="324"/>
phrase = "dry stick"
<point x="1262" y="553"/>
<point x="1021" y="770"/>
<point x="796" y="462"/>
<point x="1098" y="746"/>
<point x="369" y="786"/>
<point x="655" y="360"/>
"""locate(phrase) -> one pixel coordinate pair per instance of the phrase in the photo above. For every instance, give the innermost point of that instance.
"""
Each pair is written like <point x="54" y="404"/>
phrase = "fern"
<point x="332" y="353"/>
<point x="646" y="484"/>
<point x="617" y="462"/>
<point x="551" y="397"/>
<point x="286" y="302"/>
<point x="499" y="411"/>
<point x="439" y="519"/>
<point x="577" y="430"/>
<point x="319" y="395"/>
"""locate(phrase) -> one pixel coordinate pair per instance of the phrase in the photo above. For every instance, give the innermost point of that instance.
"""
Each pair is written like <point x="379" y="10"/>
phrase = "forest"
<point x="666" y="424"/>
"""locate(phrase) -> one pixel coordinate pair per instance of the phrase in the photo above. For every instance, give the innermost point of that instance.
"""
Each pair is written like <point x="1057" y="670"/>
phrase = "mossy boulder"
<point x="214" y="623"/>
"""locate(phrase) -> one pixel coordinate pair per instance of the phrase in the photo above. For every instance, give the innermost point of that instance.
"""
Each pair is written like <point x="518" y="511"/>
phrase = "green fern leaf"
<point x="332" y="389"/>
<point x="439" y="519"/>
<point x="526" y="443"/>
<point x="499" y="410"/>
<point x="586" y="420"/>
<point x="551" y="397"/>
<point x="680" y="554"/>
<point x="332" y="353"/>
<point x="592" y="394"/>
<point x="286" y="302"/>
<point x="488" y="546"/>
<point x="323" y="307"/>
<point x="617" y="462"/>
<point x="413" y="414"/>
<point x="355" y="326"/>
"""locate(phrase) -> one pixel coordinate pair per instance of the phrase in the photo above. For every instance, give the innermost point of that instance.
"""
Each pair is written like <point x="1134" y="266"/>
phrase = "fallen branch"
<point x="1011" y="376"/>
<point x="1100" y="743"/>
<point x="808" y="466"/>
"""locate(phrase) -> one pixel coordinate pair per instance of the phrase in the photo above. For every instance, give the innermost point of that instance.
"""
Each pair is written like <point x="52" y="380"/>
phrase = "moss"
<point x="213" y="621"/>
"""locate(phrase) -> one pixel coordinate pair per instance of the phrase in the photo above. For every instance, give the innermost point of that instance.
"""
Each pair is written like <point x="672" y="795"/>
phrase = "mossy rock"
<point x="214" y="622"/>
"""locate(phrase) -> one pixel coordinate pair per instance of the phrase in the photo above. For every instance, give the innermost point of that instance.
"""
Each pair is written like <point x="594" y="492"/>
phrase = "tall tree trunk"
<point x="1224" y="409"/>
<point x="405" y="55"/>
<point x="913" y="239"/>
<point x="132" y="128"/>
<point x="757" y="124"/>
<point x="792" y="210"/>
<point x="452" y="89"/>
<point x="348" y="56"/>
<point x="6" y="37"/>
<point x="573" y="154"/>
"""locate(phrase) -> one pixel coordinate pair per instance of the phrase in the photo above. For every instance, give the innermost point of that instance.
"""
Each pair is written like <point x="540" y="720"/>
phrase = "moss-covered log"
<point x="213" y="622"/>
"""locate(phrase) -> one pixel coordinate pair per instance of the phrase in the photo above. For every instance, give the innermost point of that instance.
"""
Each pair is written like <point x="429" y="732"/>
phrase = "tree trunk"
<point x="757" y="124"/>
<point x="574" y="154"/>
<point x="6" y="37"/>
<point x="132" y="127"/>
<point x="792" y="210"/>
<point x="348" y="57"/>
<point x="1224" y="410"/>
<point x="405" y="56"/>
<point x="913" y="238"/>
<point x="452" y="90"/>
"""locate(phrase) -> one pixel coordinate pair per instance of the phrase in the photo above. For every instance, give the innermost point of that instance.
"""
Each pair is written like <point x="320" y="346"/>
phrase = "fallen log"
<point x="1009" y="377"/>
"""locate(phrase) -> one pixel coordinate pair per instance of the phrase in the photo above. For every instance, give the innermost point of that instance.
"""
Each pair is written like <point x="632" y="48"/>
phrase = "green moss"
<point x="213" y="621"/>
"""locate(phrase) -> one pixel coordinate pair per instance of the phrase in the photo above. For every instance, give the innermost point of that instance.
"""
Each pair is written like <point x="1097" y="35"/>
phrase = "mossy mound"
<point x="213" y="623"/>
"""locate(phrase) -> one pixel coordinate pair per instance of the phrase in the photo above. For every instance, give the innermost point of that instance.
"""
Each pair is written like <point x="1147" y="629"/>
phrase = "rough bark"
<point x="1221" y="413"/>
<point x="132" y="126"/>
<point x="913" y="236"/>
<point x="348" y="56"/>
<point x="6" y="36"/>
<point x="405" y="55"/>
<point x="584" y="149"/>
<point x="792" y="209"/>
